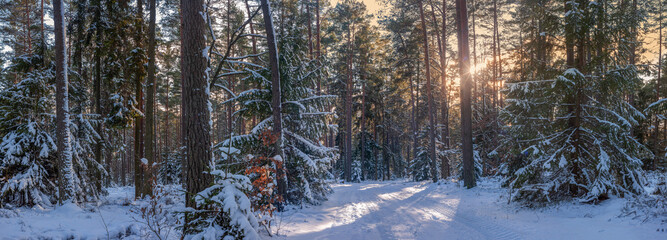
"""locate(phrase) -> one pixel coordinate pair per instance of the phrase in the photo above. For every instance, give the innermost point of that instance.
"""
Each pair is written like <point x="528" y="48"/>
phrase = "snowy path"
<point x="422" y="210"/>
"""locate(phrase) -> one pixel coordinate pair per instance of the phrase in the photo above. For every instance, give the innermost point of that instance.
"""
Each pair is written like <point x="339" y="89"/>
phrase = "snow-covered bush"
<point x="226" y="210"/>
<point x="369" y="167"/>
<point x="575" y="134"/>
<point x="169" y="171"/>
<point x="356" y="171"/>
<point x="653" y="204"/>
<point x="156" y="214"/>
<point x="122" y="112"/>
<point x="420" y="166"/>
<point x="478" y="164"/>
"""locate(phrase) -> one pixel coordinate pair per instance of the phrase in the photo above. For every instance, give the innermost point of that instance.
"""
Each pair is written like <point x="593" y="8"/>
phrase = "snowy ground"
<point x="370" y="210"/>
<point x="112" y="219"/>
<point x="423" y="210"/>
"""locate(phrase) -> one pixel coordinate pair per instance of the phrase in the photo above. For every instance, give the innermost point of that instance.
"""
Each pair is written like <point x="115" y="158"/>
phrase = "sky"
<point x="373" y="6"/>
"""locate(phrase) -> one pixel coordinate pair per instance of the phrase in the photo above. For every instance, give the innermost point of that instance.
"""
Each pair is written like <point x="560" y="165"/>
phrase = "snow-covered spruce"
<point x="574" y="134"/>
<point x="28" y="149"/>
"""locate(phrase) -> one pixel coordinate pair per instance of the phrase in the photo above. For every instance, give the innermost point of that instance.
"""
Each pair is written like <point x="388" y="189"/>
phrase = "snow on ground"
<point x="423" y="210"/>
<point x="370" y="210"/>
<point x="72" y="222"/>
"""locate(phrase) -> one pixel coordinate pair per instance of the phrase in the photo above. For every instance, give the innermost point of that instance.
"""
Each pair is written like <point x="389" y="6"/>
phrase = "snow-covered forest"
<point x="318" y="119"/>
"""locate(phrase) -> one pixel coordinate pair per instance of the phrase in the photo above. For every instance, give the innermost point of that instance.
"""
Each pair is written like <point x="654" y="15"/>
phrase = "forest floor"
<point x="423" y="210"/>
<point x="396" y="209"/>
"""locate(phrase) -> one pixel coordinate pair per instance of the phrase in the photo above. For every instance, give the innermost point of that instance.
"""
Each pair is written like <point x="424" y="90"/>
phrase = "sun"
<point x="473" y="68"/>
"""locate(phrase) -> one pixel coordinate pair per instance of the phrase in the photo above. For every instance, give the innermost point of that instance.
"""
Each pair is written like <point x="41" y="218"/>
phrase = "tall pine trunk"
<point x="348" y="110"/>
<point x="429" y="96"/>
<point x="657" y="90"/>
<point x="445" y="90"/>
<point x="98" y="85"/>
<point x="276" y="102"/>
<point x="150" y="101"/>
<point x="466" y="108"/>
<point x="139" y="167"/>
<point x="442" y="50"/>
<point x="65" y="164"/>
<point x="195" y="115"/>
<point x="362" y="137"/>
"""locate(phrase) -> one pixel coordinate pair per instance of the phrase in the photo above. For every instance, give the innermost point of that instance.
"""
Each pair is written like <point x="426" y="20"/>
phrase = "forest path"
<point x="423" y="210"/>
<point x="392" y="210"/>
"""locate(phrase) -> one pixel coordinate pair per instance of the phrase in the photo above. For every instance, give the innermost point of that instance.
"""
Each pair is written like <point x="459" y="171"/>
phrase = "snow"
<point x="396" y="209"/>
<point x="73" y="222"/>
<point x="423" y="210"/>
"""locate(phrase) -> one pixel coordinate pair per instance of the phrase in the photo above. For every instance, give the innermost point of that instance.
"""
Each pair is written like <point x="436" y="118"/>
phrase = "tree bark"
<point x="466" y="108"/>
<point x="362" y="137"/>
<point x="442" y="49"/>
<point x="317" y="42"/>
<point x="310" y="30"/>
<point x="27" y="26"/>
<point x="569" y="39"/>
<point x="98" y="87"/>
<point x="167" y="146"/>
<point x="475" y="93"/>
<point x="65" y="164"/>
<point x="500" y="60"/>
<point x="431" y="131"/>
<point x="413" y="119"/>
<point x="276" y="102"/>
<point x="348" y="110"/>
<point x="150" y="102"/>
<point x="195" y="113"/>
<point x="657" y="91"/>
<point x="42" y="26"/>
<point x="139" y="168"/>
<point x="496" y="63"/>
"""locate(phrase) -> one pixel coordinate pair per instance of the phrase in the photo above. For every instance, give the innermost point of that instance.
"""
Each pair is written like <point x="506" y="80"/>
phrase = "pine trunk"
<point x="466" y="108"/>
<point x="348" y="111"/>
<point x="656" y="138"/>
<point x="429" y="95"/>
<point x="150" y="102"/>
<point x="65" y="164"/>
<point x="195" y="113"/>
<point x="98" y="87"/>
<point x="276" y="102"/>
<point x="139" y="168"/>
<point x="442" y="50"/>
<point x="362" y="135"/>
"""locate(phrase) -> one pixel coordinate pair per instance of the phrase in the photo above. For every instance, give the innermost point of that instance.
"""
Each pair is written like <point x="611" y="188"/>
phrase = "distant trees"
<point x="205" y="88"/>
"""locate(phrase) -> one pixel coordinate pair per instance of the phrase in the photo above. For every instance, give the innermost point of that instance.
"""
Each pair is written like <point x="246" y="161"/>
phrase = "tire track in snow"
<point x="399" y="210"/>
